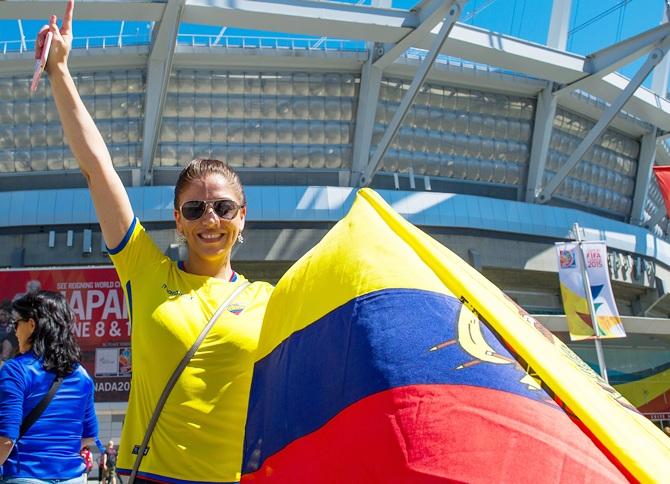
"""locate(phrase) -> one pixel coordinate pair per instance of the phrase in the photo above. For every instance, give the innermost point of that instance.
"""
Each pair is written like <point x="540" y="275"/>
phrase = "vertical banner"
<point x="102" y="327"/>
<point x="575" y="303"/>
<point x="663" y="179"/>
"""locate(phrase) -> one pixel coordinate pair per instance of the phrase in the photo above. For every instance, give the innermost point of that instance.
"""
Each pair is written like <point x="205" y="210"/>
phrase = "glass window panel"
<point x="378" y="133"/>
<point x="38" y="159"/>
<point x="235" y="107"/>
<point x="6" y="89"/>
<point x="103" y="107"/>
<point x="22" y="160"/>
<point x="119" y="155"/>
<point x="219" y="152"/>
<point x="134" y="155"/>
<point x="135" y="105"/>
<point x="252" y="107"/>
<point x="235" y="132"/>
<point x="102" y="83"/>
<point x="203" y="84"/>
<point x="21" y="136"/>
<point x="252" y="131"/>
<point x="119" y="83"/>
<point x="134" y="133"/>
<point x="333" y="157"/>
<point x="235" y="155"/>
<point x="268" y="131"/>
<point x="22" y="111"/>
<point x="332" y="109"/>
<point x="6" y="161"/>
<point x="268" y="156"/>
<point x="421" y="117"/>
<point x="38" y="135"/>
<point x="55" y="159"/>
<point x="186" y="82"/>
<point x="252" y="156"/>
<point x="348" y="85"/>
<point x="300" y="132"/>
<point x="219" y="83"/>
<point x="316" y="132"/>
<point x="300" y="84"/>
<point x="269" y="84"/>
<point x="390" y="161"/>
<point x="168" y="155"/>
<point x="219" y="131"/>
<point x="22" y="88"/>
<point x="332" y="134"/>
<point x="6" y="137"/>
<point x="219" y="107"/>
<point x="235" y="84"/>
<point x="284" y="156"/>
<point x="105" y="128"/>
<point x="186" y="105"/>
<point x="300" y="157"/>
<point x="285" y="132"/>
<point x="185" y="132"/>
<point x="405" y="160"/>
<point x="332" y="84"/>
<point x="300" y="107"/>
<point x="185" y="153"/>
<point x="284" y="110"/>
<point x="317" y="86"/>
<point x="7" y="112"/>
<point x="461" y="123"/>
<point x="285" y="85"/>
<point x="120" y="106"/>
<point x="203" y="106"/>
<point x="346" y="131"/>
<point x="202" y="130"/>
<point x="317" y="108"/>
<point x="38" y="111"/>
<point x="252" y="84"/>
<point x="120" y="131"/>
<point x="268" y="108"/>
<point x="317" y="157"/>
<point x="168" y="130"/>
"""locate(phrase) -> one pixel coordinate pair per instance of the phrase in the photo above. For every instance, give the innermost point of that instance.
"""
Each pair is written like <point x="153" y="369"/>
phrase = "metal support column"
<point x="159" y="68"/>
<point x="559" y="24"/>
<point x="659" y="80"/>
<point x="539" y="148"/>
<point x="654" y="58"/>
<point x="644" y="168"/>
<point x="368" y="99"/>
<point x="408" y="98"/>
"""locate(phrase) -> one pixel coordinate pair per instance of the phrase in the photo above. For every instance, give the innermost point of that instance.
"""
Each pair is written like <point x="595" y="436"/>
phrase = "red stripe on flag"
<point x="442" y="433"/>
<point x="663" y="178"/>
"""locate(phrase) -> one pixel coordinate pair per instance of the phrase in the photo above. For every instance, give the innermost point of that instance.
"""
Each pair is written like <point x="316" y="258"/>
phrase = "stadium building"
<point x="505" y="145"/>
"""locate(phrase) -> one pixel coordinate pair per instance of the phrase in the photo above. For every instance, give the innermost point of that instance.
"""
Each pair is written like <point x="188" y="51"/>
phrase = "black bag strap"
<point x="142" y="449"/>
<point x="35" y="413"/>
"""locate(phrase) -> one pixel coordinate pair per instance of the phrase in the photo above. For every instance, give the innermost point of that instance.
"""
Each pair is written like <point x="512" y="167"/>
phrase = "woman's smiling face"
<point x="210" y="238"/>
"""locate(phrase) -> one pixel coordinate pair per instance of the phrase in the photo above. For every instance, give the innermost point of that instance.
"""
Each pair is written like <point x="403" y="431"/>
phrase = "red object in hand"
<point x="41" y="62"/>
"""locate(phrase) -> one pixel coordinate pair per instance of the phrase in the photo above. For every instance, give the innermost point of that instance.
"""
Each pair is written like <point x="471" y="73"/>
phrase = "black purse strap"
<point x="142" y="449"/>
<point x="35" y="413"/>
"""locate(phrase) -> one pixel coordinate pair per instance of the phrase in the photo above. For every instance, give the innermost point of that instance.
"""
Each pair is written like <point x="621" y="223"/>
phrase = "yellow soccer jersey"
<point x="199" y="435"/>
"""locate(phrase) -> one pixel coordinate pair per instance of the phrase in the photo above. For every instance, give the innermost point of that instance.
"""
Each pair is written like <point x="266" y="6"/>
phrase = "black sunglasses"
<point x="15" y="322"/>
<point x="223" y="208"/>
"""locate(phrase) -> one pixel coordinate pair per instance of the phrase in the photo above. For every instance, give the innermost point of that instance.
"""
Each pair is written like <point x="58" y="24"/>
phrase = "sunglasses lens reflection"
<point x="225" y="209"/>
<point x="193" y="210"/>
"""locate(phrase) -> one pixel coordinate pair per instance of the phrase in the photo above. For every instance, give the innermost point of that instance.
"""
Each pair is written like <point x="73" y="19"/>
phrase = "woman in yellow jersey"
<point x="199" y="434"/>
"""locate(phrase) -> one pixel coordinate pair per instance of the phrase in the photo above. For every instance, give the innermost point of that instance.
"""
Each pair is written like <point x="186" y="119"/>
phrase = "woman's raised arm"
<point x="107" y="191"/>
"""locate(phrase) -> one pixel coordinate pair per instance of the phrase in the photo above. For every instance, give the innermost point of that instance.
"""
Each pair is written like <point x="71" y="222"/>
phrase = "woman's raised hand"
<point x="61" y="43"/>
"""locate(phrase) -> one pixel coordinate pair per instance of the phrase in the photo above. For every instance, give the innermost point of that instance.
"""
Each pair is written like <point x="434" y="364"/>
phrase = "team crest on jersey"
<point x="236" y="309"/>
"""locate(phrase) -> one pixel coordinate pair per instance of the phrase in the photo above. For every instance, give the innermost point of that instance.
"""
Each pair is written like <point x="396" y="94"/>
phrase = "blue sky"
<point x="594" y="24"/>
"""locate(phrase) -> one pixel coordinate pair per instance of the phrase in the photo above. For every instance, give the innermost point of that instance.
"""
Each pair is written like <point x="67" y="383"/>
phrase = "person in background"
<point x="199" y="435"/>
<point x="86" y="455"/>
<point x="109" y="463"/>
<point x="49" y="449"/>
<point x="8" y="342"/>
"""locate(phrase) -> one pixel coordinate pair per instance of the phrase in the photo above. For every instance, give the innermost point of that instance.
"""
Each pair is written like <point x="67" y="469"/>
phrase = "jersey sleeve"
<point x="137" y="251"/>
<point x="12" y="392"/>
<point x="90" y="429"/>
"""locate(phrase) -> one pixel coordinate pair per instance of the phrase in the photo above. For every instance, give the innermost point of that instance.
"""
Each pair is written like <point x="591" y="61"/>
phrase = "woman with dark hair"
<point x="49" y="449"/>
<point x="199" y="431"/>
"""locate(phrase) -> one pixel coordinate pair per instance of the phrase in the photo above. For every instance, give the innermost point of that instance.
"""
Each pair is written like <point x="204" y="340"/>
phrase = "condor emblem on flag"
<point x="384" y="357"/>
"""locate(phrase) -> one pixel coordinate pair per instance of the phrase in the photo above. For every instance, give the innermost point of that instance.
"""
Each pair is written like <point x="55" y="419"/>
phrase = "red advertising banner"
<point x="102" y="327"/>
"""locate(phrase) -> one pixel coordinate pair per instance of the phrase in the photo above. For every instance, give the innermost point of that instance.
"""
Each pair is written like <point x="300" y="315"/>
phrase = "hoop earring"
<point x="240" y="239"/>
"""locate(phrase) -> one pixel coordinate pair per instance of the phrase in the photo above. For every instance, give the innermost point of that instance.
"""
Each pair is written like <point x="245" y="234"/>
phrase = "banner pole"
<point x="589" y="300"/>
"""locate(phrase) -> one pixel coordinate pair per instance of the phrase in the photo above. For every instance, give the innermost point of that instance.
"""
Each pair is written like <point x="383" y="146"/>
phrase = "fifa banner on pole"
<point x="575" y="303"/>
<point x="384" y="357"/>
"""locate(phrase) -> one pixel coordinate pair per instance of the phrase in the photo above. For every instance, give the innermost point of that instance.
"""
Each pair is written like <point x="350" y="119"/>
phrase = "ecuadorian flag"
<point x="386" y="358"/>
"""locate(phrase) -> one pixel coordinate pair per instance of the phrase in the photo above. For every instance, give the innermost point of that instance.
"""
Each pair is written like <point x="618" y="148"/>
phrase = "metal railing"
<point x="197" y="40"/>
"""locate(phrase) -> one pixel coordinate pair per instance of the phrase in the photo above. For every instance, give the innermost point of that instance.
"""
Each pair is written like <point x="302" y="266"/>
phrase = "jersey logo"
<point x="236" y="309"/>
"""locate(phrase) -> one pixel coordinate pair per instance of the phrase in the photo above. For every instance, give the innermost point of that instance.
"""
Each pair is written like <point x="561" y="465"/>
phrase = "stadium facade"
<point x="480" y="161"/>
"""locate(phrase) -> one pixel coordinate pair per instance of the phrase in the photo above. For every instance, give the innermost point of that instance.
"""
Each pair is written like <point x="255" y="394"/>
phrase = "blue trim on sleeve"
<point x="129" y="294"/>
<point x="125" y="240"/>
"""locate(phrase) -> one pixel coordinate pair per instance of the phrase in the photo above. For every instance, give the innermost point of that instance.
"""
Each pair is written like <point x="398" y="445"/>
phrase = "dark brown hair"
<point x="203" y="167"/>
